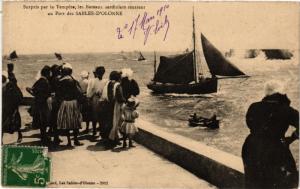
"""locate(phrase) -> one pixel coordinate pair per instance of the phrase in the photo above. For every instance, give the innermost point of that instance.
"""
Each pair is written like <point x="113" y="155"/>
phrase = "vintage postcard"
<point x="163" y="94"/>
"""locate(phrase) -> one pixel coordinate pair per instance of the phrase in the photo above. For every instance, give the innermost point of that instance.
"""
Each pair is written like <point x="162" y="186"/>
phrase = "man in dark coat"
<point x="268" y="161"/>
<point x="41" y="112"/>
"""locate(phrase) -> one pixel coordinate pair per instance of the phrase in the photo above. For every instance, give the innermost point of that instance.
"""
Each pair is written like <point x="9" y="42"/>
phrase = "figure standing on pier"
<point x="94" y="92"/>
<point x="54" y="81"/>
<point x="69" y="116"/>
<point x="113" y="94"/>
<point x="128" y="128"/>
<point x="268" y="161"/>
<point x="40" y="109"/>
<point x="11" y="99"/>
<point x="85" y="107"/>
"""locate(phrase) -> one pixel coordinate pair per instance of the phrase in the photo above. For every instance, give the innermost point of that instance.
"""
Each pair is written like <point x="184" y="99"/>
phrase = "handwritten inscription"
<point x="146" y="23"/>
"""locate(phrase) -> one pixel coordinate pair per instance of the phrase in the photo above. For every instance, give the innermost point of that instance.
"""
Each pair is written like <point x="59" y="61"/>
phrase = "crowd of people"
<point x="61" y="103"/>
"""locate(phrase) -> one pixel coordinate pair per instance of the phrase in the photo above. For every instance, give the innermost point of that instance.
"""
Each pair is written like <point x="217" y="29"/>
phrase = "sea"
<point x="170" y="112"/>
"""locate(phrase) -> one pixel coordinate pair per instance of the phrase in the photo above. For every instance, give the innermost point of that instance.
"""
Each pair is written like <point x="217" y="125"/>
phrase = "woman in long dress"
<point x="69" y="116"/>
<point x="11" y="99"/>
<point x="85" y="107"/>
<point x="268" y="161"/>
<point x="41" y="109"/>
<point x="113" y="94"/>
<point x="54" y="81"/>
<point x="94" y="92"/>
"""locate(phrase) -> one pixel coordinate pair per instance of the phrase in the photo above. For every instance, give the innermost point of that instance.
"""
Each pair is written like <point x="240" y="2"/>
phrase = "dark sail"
<point x="217" y="63"/>
<point x="141" y="57"/>
<point x="175" y="69"/>
<point x="58" y="56"/>
<point x="13" y="55"/>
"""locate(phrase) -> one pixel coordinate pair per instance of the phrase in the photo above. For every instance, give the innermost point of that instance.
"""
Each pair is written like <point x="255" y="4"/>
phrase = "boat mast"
<point x="194" y="51"/>
<point x="154" y="63"/>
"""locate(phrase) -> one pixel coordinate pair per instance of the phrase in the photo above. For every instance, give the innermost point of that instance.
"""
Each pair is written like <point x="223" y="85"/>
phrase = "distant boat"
<point x="58" y="56"/>
<point x="141" y="57"/>
<point x="123" y="56"/>
<point x="230" y="53"/>
<point x="277" y="54"/>
<point x="13" y="55"/>
<point x="179" y="73"/>
<point x="251" y="53"/>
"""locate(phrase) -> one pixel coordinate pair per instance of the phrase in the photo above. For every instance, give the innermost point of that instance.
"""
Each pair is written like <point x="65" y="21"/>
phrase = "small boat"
<point x="13" y="55"/>
<point x="141" y="57"/>
<point x="211" y="123"/>
<point x="58" y="56"/>
<point x="179" y="73"/>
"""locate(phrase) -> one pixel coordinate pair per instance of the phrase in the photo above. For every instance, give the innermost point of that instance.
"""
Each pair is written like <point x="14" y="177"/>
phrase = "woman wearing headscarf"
<point x="84" y="80"/>
<point x="41" y="110"/>
<point x="69" y="94"/>
<point x="129" y="86"/>
<point x="85" y="107"/>
<point x="113" y="94"/>
<point x="268" y="161"/>
<point x="11" y="99"/>
<point x="94" y="92"/>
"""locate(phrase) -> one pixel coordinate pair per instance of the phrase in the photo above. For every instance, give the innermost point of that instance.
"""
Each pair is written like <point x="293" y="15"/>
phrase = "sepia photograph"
<point x="141" y="94"/>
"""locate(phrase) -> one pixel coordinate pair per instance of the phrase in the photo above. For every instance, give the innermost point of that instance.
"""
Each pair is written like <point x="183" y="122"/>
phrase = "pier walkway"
<point x="91" y="165"/>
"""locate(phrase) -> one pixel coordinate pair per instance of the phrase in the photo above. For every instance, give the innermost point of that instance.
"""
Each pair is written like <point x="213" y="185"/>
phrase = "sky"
<point x="226" y="24"/>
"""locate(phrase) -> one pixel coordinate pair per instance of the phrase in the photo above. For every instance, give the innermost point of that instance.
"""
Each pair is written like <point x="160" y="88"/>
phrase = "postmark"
<point x="25" y="166"/>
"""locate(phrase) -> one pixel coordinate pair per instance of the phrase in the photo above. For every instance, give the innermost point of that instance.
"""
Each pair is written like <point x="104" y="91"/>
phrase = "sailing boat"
<point x="141" y="57"/>
<point x="13" y="55"/>
<point x="58" y="56"/>
<point x="179" y="73"/>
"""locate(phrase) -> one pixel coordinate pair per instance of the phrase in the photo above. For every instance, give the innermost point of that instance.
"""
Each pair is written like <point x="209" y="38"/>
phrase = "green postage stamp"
<point x="25" y="166"/>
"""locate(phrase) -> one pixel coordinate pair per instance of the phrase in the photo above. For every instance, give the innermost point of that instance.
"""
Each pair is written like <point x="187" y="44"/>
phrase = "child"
<point x="129" y="115"/>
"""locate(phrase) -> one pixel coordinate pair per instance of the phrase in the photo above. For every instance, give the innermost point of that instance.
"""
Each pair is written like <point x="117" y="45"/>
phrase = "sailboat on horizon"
<point x="179" y="73"/>
<point x="141" y="57"/>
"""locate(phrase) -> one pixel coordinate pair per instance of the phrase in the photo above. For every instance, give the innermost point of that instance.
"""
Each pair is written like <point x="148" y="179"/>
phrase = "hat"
<point x="99" y="71"/>
<point x="274" y="86"/>
<point x="127" y="72"/>
<point x="115" y="76"/>
<point x="67" y="65"/>
<point x="84" y="74"/>
<point x="133" y="102"/>
<point x="5" y="74"/>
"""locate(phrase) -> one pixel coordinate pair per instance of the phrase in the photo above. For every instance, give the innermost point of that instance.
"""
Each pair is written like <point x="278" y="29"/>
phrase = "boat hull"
<point x="206" y="86"/>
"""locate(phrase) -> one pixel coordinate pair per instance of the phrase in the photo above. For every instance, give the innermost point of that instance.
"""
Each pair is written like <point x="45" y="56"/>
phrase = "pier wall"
<point x="215" y="166"/>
